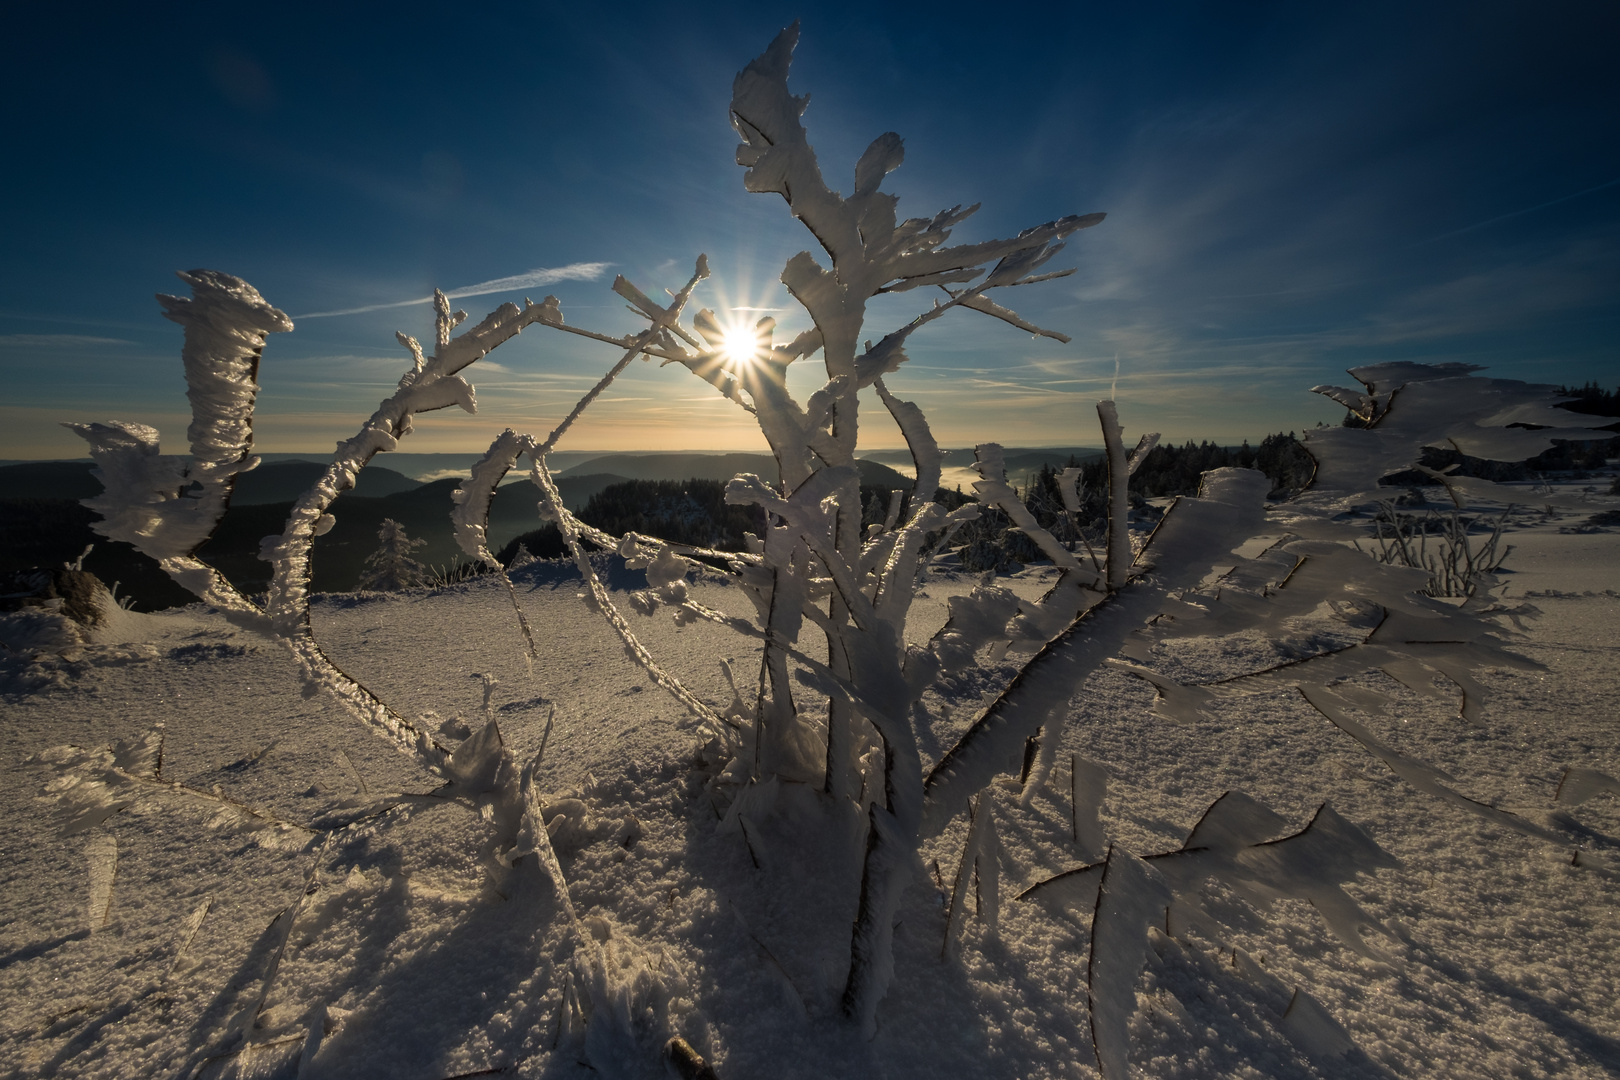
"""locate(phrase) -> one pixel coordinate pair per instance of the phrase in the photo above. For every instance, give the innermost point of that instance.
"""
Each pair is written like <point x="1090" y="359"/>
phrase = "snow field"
<point x="403" y="960"/>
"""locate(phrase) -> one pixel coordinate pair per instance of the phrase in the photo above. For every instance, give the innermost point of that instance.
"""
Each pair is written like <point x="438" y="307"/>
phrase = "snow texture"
<point x="1502" y="957"/>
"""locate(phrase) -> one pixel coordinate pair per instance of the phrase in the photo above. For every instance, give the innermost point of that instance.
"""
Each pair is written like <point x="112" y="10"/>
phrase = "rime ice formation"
<point x="1130" y="898"/>
<point x="165" y="504"/>
<point x="1399" y="410"/>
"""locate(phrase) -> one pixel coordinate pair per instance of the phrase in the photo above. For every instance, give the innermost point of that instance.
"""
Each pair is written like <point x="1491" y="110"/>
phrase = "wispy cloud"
<point x="46" y="341"/>
<point x="1518" y="213"/>
<point x="585" y="271"/>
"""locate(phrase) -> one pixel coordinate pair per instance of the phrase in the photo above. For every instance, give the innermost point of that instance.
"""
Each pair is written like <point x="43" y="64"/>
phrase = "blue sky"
<point x="1291" y="189"/>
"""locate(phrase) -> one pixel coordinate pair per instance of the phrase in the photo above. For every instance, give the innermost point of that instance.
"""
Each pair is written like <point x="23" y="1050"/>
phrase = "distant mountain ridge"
<point x="271" y="482"/>
<point x="1018" y="458"/>
<point x="718" y="467"/>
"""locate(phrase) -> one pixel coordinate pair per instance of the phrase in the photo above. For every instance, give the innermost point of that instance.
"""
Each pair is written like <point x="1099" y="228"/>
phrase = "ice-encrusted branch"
<point x="871" y="253"/>
<point x="1237" y="843"/>
<point x="167" y="505"/>
<point x="1408" y="407"/>
<point x="1118" y="556"/>
<point x="870" y="250"/>
<point x="599" y="595"/>
<point x="431" y="384"/>
<point x="925" y="456"/>
<point x="472" y="499"/>
<point x="474" y="496"/>
<point x="1230" y="508"/>
<point x="664" y="320"/>
<point x="993" y="490"/>
<point x="469" y="516"/>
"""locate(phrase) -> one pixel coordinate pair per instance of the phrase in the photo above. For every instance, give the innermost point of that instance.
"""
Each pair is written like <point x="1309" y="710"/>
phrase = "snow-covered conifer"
<point x="390" y="568"/>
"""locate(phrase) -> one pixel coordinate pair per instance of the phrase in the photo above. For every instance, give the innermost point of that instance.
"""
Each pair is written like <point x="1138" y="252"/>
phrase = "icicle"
<point x="956" y="909"/>
<point x="101" y="856"/>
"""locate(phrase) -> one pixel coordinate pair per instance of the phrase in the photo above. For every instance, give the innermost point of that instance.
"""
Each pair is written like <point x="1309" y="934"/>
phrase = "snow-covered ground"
<point x="181" y="930"/>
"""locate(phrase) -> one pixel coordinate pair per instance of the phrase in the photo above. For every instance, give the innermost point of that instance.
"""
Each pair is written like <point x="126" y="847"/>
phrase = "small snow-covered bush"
<point x="828" y="738"/>
<point x="1441" y="544"/>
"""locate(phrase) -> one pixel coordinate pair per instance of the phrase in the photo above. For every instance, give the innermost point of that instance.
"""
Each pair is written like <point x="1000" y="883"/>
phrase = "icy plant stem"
<point x="431" y="384"/>
<point x="167" y="506"/>
<point x="890" y="854"/>
<point x="1119" y="503"/>
<point x="663" y="320"/>
<point x="840" y="777"/>
<point x="101" y="856"/>
<point x="599" y="594"/>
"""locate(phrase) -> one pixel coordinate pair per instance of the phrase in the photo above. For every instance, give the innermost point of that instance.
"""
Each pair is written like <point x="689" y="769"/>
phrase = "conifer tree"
<point x="390" y="568"/>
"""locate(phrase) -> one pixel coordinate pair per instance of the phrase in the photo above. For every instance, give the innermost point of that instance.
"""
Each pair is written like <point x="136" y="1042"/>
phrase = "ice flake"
<point x="1131" y="898"/>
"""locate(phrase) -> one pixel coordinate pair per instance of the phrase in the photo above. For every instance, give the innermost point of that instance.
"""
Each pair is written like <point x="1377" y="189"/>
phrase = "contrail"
<point x="1516" y="213"/>
<point x="585" y="271"/>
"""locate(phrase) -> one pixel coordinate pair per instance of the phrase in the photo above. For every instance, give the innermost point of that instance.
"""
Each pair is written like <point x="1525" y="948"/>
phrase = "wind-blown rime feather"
<point x="146" y="502"/>
<point x="1233" y="844"/>
<point x="1410" y="407"/>
<point x="1130" y="898"/>
<point x="167" y="505"/>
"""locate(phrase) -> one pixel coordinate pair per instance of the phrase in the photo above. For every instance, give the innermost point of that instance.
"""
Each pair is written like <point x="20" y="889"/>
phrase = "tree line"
<point x="695" y="511"/>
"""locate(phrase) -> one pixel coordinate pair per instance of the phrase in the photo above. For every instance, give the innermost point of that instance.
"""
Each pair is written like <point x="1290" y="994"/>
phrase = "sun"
<point x="740" y="345"/>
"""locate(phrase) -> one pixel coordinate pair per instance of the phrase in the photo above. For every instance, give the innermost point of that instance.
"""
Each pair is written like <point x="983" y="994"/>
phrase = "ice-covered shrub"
<point x="1440" y="544"/>
<point x="815" y="565"/>
<point x="831" y="733"/>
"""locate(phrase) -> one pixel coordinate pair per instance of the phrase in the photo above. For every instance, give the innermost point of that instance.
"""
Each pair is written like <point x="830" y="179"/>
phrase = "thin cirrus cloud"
<point x="583" y="271"/>
<point x="1518" y="213"/>
<point x="46" y="341"/>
